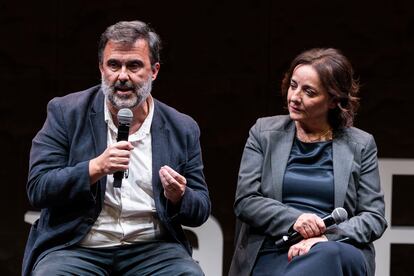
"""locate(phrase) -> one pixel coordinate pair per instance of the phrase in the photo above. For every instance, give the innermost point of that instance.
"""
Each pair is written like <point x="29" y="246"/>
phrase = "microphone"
<point x="336" y="217"/>
<point x="124" y="120"/>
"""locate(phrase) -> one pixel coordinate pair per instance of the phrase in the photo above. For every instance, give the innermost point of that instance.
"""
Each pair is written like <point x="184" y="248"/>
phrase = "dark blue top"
<point x="308" y="183"/>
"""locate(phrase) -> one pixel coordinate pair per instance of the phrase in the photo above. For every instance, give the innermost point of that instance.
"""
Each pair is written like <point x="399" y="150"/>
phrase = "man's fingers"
<point x="119" y="160"/>
<point x="163" y="175"/>
<point x="126" y="145"/>
<point x="169" y="183"/>
<point x="173" y="190"/>
<point x="167" y="176"/>
<point x="181" y="179"/>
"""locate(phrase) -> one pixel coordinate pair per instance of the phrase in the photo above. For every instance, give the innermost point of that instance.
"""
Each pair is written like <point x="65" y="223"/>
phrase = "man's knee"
<point x="189" y="268"/>
<point x="45" y="267"/>
<point x="66" y="262"/>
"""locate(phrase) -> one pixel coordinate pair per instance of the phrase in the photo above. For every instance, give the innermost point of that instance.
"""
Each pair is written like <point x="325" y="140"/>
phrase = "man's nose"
<point x="123" y="74"/>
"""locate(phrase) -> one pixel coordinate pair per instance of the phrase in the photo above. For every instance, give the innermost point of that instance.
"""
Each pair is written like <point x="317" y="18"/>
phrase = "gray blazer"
<point x="258" y="203"/>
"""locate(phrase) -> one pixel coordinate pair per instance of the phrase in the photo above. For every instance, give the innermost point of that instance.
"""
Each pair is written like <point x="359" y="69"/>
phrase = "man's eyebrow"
<point x="113" y="60"/>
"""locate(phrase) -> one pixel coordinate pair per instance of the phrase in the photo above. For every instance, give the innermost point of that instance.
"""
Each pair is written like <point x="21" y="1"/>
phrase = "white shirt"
<point x="128" y="214"/>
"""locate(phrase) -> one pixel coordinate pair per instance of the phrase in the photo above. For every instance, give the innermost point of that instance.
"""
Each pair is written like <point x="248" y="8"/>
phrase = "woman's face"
<point x="308" y="101"/>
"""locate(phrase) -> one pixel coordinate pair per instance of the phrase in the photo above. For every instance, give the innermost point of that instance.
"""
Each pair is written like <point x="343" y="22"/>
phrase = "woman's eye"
<point x="293" y="84"/>
<point x="309" y="92"/>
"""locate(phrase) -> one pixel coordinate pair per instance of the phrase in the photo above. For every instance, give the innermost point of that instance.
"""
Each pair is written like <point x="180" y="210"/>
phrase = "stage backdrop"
<point x="222" y="64"/>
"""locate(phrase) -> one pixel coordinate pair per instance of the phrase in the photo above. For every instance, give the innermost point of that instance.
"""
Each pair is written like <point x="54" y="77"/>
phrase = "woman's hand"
<point x="304" y="246"/>
<point x="309" y="225"/>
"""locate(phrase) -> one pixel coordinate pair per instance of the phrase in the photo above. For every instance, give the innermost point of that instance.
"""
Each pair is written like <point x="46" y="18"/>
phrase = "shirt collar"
<point x="145" y="128"/>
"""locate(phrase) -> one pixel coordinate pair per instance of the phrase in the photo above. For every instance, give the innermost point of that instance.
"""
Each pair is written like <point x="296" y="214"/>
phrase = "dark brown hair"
<point x="336" y="75"/>
<point x="128" y="32"/>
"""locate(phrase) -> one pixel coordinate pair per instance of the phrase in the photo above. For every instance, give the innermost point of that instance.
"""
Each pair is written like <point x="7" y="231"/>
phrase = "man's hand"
<point x="174" y="184"/>
<point x="114" y="158"/>
<point x="304" y="246"/>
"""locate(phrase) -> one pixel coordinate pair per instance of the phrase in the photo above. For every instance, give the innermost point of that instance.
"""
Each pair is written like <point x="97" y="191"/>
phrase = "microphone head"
<point x="339" y="215"/>
<point x="125" y="116"/>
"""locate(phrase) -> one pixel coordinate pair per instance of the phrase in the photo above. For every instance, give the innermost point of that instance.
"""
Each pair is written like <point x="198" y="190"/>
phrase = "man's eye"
<point x="113" y="64"/>
<point x="133" y="66"/>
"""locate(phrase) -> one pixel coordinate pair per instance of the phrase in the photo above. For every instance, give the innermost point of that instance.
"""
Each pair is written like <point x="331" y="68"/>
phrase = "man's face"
<point x="127" y="73"/>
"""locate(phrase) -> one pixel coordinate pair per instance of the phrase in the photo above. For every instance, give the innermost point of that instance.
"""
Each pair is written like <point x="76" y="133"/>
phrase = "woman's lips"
<point x="294" y="109"/>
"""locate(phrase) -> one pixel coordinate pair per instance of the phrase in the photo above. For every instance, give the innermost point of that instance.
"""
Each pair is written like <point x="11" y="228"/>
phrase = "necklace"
<point x="325" y="136"/>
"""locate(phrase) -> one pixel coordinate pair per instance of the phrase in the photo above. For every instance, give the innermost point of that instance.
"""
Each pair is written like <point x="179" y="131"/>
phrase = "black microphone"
<point x="336" y="217"/>
<point x="124" y="121"/>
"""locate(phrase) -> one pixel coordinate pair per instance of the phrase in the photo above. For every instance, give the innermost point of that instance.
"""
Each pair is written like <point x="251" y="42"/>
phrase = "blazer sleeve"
<point x="51" y="181"/>
<point x="367" y="222"/>
<point x="195" y="206"/>
<point x="252" y="206"/>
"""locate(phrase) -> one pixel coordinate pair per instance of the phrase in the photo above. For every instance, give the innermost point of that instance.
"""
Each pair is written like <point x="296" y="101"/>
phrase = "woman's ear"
<point x="333" y="103"/>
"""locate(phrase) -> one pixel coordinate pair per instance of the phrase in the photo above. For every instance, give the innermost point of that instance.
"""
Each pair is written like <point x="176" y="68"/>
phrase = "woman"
<point x="297" y="169"/>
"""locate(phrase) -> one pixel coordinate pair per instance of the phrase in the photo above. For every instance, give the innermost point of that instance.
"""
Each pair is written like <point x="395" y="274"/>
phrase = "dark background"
<point x="222" y="64"/>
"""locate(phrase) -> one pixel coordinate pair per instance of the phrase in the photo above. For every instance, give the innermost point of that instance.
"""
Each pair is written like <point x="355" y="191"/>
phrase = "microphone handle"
<point x="281" y="242"/>
<point x="295" y="237"/>
<point x="329" y="221"/>
<point x="123" y="133"/>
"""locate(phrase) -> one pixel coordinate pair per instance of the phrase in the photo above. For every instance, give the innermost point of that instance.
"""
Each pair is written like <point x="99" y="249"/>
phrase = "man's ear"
<point x="155" y="69"/>
<point x="101" y="68"/>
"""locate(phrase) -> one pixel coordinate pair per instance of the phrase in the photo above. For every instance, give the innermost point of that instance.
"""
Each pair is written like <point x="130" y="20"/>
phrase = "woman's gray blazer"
<point x="258" y="204"/>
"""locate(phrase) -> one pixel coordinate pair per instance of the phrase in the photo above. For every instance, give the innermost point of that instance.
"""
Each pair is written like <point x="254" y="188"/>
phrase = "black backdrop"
<point x="222" y="64"/>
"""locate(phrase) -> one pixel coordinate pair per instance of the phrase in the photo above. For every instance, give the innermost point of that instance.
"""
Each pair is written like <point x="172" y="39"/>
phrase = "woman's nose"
<point x="296" y="96"/>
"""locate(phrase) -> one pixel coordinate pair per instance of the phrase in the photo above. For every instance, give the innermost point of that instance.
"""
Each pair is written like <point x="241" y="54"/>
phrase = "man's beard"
<point x="140" y="93"/>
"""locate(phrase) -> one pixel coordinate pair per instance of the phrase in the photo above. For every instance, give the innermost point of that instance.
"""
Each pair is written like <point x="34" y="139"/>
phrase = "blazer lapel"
<point x="160" y="148"/>
<point x="282" y="145"/>
<point x="99" y="131"/>
<point x="343" y="154"/>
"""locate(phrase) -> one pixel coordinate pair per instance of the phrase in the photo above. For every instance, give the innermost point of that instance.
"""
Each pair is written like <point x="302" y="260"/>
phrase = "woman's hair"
<point x="336" y="75"/>
<point x="128" y="32"/>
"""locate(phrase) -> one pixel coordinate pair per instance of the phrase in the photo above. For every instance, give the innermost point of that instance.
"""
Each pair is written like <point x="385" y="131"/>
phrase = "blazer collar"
<point x="159" y="139"/>
<point x="160" y="144"/>
<point x="97" y="123"/>
<point x="343" y="155"/>
<point x="99" y="131"/>
<point x="282" y="141"/>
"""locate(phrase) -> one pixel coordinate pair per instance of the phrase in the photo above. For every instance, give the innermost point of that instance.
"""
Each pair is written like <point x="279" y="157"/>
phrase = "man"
<point x="89" y="227"/>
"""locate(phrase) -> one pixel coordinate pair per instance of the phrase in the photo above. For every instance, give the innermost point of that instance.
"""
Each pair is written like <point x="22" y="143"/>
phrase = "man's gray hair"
<point x="128" y="32"/>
